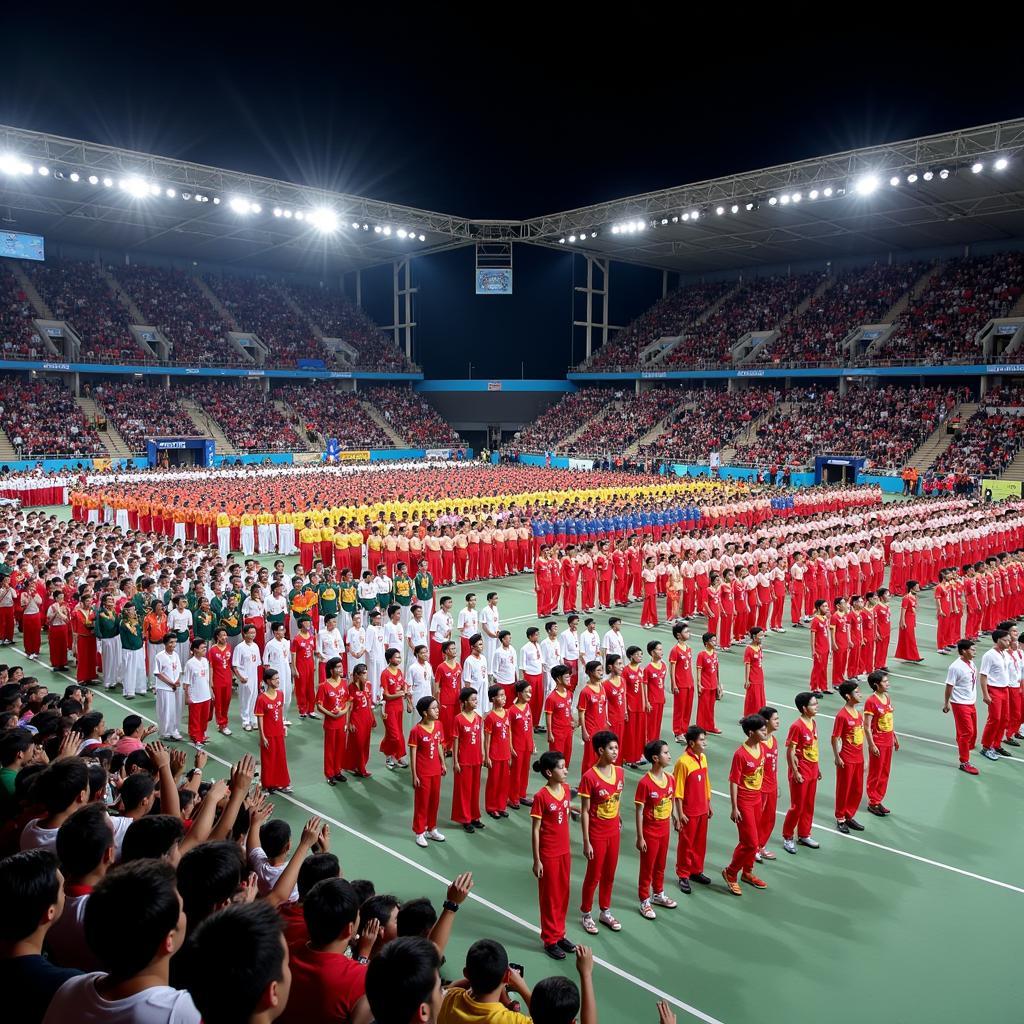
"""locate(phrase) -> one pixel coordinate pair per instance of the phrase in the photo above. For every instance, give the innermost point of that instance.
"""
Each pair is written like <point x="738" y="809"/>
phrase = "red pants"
<point x="649" y="614"/>
<point x="334" y="750"/>
<point x="221" y="704"/>
<point x="881" y="650"/>
<point x="553" y="893"/>
<point x="466" y="794"/>
<point x="604" y="592"/>
<point x="840" y="656"/>
<point x="274" y="763"/>
<point x="849" y="789"/>
<point x="706" y="709"/>
<point x="32" y="632"/>
<point x="769" y="804"/>
<point x="304" y="687"/>
<point x="652" y="860"/>
<point x="198" y="720"/>
<point x="519" y="777"/>
<point x="496" y="795"/>
<point x="58" y="637"/>
<point x="85" y="650"/>
<point x="307" y="553"/>
<point x="7" y="623"/>
<point x="654" y="717"/>
<point x="965" y="719"/>
<point x="796" y="602"/>
<point x="878" y="773"/>
<point x="536" y="696"/>
<point x="995" y="723"/>
<point x="800" y="816"/>
<point x="749" y="807"/>
<point x="562" y="742"/>
<point x="692" y="846"/>
<point x="819" y="673"/>
<point x="357" y="746"/>
<point x="392" y="744"/>
<point x="682" y="710"/>
<point x="754" y="699"/>
<point x="426" y="797"/>
<point x="1013" y="710"/>
<point x="448" y="713"/>
<point x="604" y="838"/>
<point x="634" y="739"/>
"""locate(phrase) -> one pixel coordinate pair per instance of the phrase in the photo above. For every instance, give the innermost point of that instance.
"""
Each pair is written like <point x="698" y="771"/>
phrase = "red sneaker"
<point x="969" y="768"/>
<point x="751" y="879"/>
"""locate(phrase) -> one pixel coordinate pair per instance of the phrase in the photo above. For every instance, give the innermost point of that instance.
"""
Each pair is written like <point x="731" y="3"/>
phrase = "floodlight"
<point x="784" y="200"/>
<point x="93" y="180"/>
<point x="977" y="167"/>
<point x="895" y="180"/>
<point x="944" y="174"/>
<point x="154" y="189"/>
<point x="387" y="230"/>
<point x="912" y="178"/>
<point x="44" y="171"/>
<point x="423" y="238"/>
<point x="928" y="175"/>
<point x="323" y="219"/>
<point x="813" y="194"/>
<point x="827" y="193"/>
<point x="239" y="205"/>
<point x="866" y="185"/>
<point x="135" y="187"/>
<point x="402" y="233"/>
<point x="772" y="201"/>
<point x="1001" y="164"/>
<point x="277" y="211"/>
<point x="734" y="208"/>
<point x="797" y="197"/>
<point x="75" y="176"/>
<point x="719" y="210"/>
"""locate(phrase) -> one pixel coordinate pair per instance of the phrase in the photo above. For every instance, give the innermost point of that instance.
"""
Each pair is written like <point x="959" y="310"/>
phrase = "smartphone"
<point x="518" y="968"/>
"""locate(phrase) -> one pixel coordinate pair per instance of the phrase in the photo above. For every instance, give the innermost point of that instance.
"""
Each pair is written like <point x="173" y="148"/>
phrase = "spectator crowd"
<point x="42" y="418"/>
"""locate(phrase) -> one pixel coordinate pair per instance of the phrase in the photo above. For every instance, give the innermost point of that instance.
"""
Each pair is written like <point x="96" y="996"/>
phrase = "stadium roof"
<point x="58" y="187"/>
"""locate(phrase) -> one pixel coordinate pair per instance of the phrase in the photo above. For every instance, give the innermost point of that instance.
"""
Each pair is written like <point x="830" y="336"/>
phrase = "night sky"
<point x="514" y="121"/>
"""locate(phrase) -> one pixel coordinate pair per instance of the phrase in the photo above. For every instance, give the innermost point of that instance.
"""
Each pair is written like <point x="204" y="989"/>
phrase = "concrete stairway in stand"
<point x="112" y="440"/>
<point x="7" y="452"/>
<point x="750" y="431"/>
<point x="211" y="297"/>
<point x="659" y="428"/>
<point x="33" y="296"/>
<point x="938" y="440"/>
<point x="1015" y="470"/>
<point x="389" y="431"/>
<point x="207" y="426"/>
<point x="296" y="421"/>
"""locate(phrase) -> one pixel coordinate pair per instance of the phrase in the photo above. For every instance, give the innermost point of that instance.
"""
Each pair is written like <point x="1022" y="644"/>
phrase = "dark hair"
<point x="151" y="837"/>
<point x="380" y="906"/>
<point x="751" y="723"/>
<point x="486" y="965"/>
<point x="998" y="634"/>
<point x="315" y="869"/>
<point x="493" y="691"/>
<point x="401" y="978"/>
<point x="135" y="789"/>
<point x="28" y="888"/>
<point x="845" y="689"/>
<point x="83" y="840"/>
<point x="465" y="693"/>
<point x="875" y="678"/>
<point x="803" y="699"/>
<point x="652" y="645"/>
<point x="13" y="744"/>
<point x="964" y="645"/>
<point x="653" y="748"/>
<point x="694" y="733"/>
<point x="275" y="835"/>
<point x="59" y="784"/>
<point x="130" y="723"/>
<point x="329" y="908"/>
<point x="554" y="1000"/>
<point x="548" y="762"/>
<point x="602" y="739"/>
<point x="364" y="889"/>
<point x="766" y="713"/>
<point x="235" y="954"/>
<point x="416" y="917"/>
<point x="143" y="893"/>
<point x="207" y="876"/>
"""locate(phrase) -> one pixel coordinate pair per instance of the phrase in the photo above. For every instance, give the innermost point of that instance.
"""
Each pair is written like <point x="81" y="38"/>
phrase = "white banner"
<point x="438" y="453"/>
<point x="715" y="460"/>
<point x="581" y="463"/>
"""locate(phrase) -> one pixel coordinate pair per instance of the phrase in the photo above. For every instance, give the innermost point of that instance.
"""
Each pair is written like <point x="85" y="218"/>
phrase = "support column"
<point x="590" y="292"/>
<point x="842" y="387"/>
<point x="982" y="387"/>
<point x="359" y="289"/>
<point x="402" y="291"/>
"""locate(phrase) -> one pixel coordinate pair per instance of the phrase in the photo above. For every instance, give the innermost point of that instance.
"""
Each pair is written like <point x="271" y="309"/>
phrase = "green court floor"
<point x="907" y="921"/>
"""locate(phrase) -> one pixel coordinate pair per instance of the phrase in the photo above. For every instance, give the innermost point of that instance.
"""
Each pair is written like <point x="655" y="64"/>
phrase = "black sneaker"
<point x="555" y="951"/>
<point x="565" y="944"/>
<point x="468" y="828"/>
<point x="700" y="878"/>
<point x="684" y="885"/>
<point x="1002" y="751"/>
<point x="876" y="810"/>
<point x="1012" y="742"/>
<point x="854" y="824"/>
<point x="514" y="805"/>
<point x="502" y="814"/>
<point x="844" y="827"/>
<point x="477" y="823"/>
<point x="493" y="814"/>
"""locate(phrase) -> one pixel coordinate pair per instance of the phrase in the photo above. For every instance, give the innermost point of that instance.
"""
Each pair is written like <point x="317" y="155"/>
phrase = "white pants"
<point x="121" y="518"/>
<point x="224" y="541"/>
<point x="286" y="539"/>
<point x="284" y="680"/>
<point x="183" y="652"/>
<point x="110" y="651"/>
<point x="168" y="711"/>
<point x="428" y="611"/>
<point x="374" y="668"/>
<point x="133" y="672"/>
<point x="179" y="532"/>
<point x="247" y="701"/>
<point x="153" y="650"/>
<point x="93" y="516"/>
<point x="248" y="541"/>
<point x="404" y="616"/>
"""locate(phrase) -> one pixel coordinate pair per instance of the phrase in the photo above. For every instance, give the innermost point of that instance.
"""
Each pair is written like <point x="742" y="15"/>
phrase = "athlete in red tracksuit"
<point x="653" y="802"/>
<point x="680" y="660"/>
<point x="332" y="701"/>
<point x="746" y="777"/>
<point x="770" y="785"/>
<point x="692" y="809"/>
<point x="497" y="754"/>
<point x="552" y="860"/>
<point x="804" y="774"/>
<point x="636" y="723"/>
<point x="521" y="723"/>
<point x="600" y="796"/>
<point x="848" y="747"/>
<point x="426" y="761"/>
<point x="820" y="646"/>
<point x="468" y="758"/>
<point x="882" y="740"/>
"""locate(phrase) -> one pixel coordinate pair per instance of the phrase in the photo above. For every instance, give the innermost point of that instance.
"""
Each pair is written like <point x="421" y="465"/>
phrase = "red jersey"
<point x="594" y="705"/>
<point x="521" y="725"/>
<point x="303" y="648"/>
<point x="841" y="623"/>
<point x="819" y="630"/>
<point x="803" y="737"/>
<point x="878" y="712"/>
<point x="272" y="713"/>
<point x="604" y="796"/>
<point x="883" y="618"/>
<point x="469" y="732"/>
<point x="654" y="680"/>
<point x="449" y="682"/>
<point x="754" y="657"/>
<point x="327" y="986"/>
<point x="498" y="727"/>
<point x="681" y="660"/>
<point x="616" y="694"/>
<point x="634" y="680"/>
<point x="656" y="800"/>
<point x="334" y="699"/>
<point x="849" y="727"/>
<point x="220" y="666"/>
<point x="553" y="811"/>
<point x="771" y="765"/>
<point x="692" y="784"/>
<point x="707" y="667"/>
<point x="428" y="748"/>
<point x="560" y="709"/>
<point x="392" y="682"/>
<point x="361" y="699"/>
<point x="747" y="771"/>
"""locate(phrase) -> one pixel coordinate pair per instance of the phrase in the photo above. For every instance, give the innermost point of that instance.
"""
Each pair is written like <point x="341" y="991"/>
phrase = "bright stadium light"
<point x="797" y="197"/>
<point x="749" y="207"/>
<point x="387" y="230"/>
<point x="324" y="220"/>
<point x="694" y="215"/>
<point x="895" y="180"/>
<point x="287" y="214"/>
<point x="734" y="208"/>
<point x="44" y="171"/>
<point x="377" y="229"/>
<point x="912" y="178"/>
<point x="255" y="207"/>
<point x="135" y="187"/>
<point x="75" y="176"/>
<point x="685" y="216"/>
<point x="772" y="201"/>
<point x="928" y="175"/>
<point x="154" y="189"/>
<point x="561" y="241"/>
<point x="827" y="193"/>
<point x="583" y="236"/>
<point x="784" y="200"/>
<point x="93" y="180"/>
<point x="572" y="238"/>
<point x="423" y="238"/>
<point x="944" y="174"/>
<point x="240" y="205"/>
<point x="402" y="233"/>
<point x="664" y="221"/>
<point x="866" y="185"/>
<point x="216" y="200"/>
<point x="11" y="164"/>
<point x="719" y="210"/>
<point x="299" y="215"/>
<point x="277" y="211"/>
<point x="1001" y="164"/>
<point x="977" y="167"/>
<point x="355" y="225"/>
<point x="641" y="226"/>
<point x="813" y="194"/>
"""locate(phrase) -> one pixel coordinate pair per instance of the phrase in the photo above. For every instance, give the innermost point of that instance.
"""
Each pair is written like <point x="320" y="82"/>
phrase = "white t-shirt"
<point x="441" y="626"/>
<point x="421" y="679"/>
<point x="168" y="666"/>
<point x="78" y="1000"/>
<point x="963" y="677"/>
<point x="267" y="874"/>
<point x="329" y="644"/>
<point x="355" y="641"/>
<point x="197" y="679"/>
<point x="489" y="617"/>
<point x="569" y="645"/>
<point x="65" y="941"/>
<point x="474" y="673"/>
<point x="995" y="666"/>
<point x="246" y="661"/>
<point x="530" y="657"/>
<point x="614" y="643"/>
<point x="503" y="665"/>
<point x="468" y="620"/>
<point x="277" y="654"/>
<point x="590" y="645"/>
<point x="35" y="838"/>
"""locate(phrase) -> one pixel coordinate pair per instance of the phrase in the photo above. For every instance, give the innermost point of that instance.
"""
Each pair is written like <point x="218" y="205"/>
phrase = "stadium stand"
<point x="247" y="416"/>
<point x="628" y="419"/>
<point x="141" y="410"/>
<point x="172" y="301"/>
<point x="18" y="336"/>
<point x="415" y="420"/>
<point x="76" y="292"/>
<point x="325" y="412"/>
<point x="985" y="445"/>
<point x="42" y="418"/>
<point x="563" y="418"/>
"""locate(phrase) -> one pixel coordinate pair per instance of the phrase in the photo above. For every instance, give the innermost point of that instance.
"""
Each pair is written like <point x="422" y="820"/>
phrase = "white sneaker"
<point x="789" y="845"/>
<point x="421" y="840"/>
<point x="646" y="910"/>
<point x="778" y="629"/>
<point x="659" y="899"/>
<point x="225" y="731"/>
<point x="389" y="763"/>
<point x="758" y="857"/>
<point x="437" y="837"/>
<point x="287" y="724"/>
<point x="589" y="924"/>
<point x="176" y="736"/>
